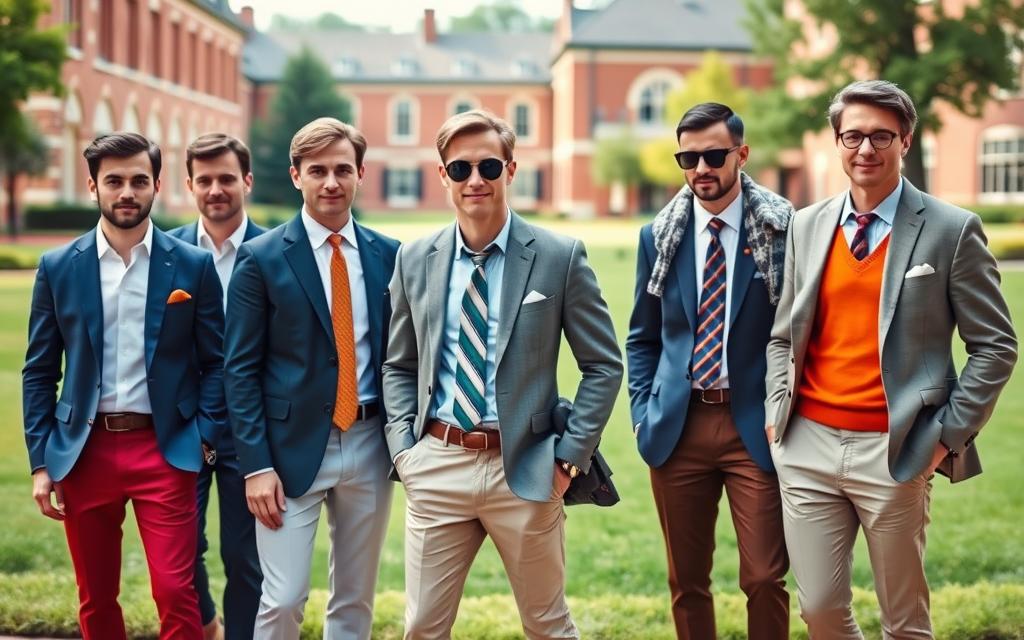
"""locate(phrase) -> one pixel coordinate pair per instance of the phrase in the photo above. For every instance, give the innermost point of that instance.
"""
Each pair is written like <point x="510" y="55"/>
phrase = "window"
<point x="405" y="66"/>
<point x="651" y="109"/>
<point x="402" y="186"/>
<point x="462" y="106"/>
<point x="156" y="38"/>
<point x="1002" y="163"/>
<point x="107" y="30"/>
<point x="464" y="67"/>
<point x="73" y="18"/>
<point x="402" y="119"/>
<point x="524" y="68"/>
<point x="133" y="34"/>
<point x="346" y="66"/>
<point x="193" y="55"/>
<point x="521" y="120"/>
<point x="527" y="186"/>
<point x="176" y="52"/>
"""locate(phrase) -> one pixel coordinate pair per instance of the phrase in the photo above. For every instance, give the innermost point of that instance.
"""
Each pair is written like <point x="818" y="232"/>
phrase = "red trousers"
<point x="113" y="469"/>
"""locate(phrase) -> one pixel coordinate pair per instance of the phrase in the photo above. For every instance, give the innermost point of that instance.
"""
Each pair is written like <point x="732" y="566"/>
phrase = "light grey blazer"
<point x="927" y="400"/>
<point x="529" y="337"/>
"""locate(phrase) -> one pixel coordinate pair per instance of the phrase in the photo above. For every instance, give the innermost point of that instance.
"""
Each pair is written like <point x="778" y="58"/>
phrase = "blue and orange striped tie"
<point x="707" y="351"/>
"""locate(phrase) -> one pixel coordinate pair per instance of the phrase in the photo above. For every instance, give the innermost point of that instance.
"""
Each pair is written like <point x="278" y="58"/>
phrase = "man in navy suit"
<point x="709" y="274"/>
<point x="219" y="179"/>
<point x="137" y="317"/>
<point x="304" y="340"/>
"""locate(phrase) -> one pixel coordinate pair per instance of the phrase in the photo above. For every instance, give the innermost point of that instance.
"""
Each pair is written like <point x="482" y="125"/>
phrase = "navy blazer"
<point x="660" y="347"/>
<point x="66" y="320"/>
<point x="280" y="359"/>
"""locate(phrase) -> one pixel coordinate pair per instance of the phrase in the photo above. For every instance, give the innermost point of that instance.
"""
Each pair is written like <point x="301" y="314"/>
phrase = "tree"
<point x="616" y="164"/>
<point x="30" y="59"/>
<point x="503" y="17"/>
<point x="933" y="54"/>
<point x="23" y="151"/>
<point x="327" y="21"/>
<point x="306" y="92"/>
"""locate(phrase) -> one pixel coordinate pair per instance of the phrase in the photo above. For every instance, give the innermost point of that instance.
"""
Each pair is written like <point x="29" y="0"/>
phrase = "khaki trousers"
<point x="833" y="483"/>
<point x="455" y="497"/>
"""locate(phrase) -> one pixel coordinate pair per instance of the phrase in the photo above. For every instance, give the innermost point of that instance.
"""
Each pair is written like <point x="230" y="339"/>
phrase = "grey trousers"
<point x="833" y="483"/>
<point x="352" y="482"/>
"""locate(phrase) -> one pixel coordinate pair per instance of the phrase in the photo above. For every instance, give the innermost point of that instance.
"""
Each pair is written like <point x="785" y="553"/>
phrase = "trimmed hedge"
<point x="61" y="216"/>
<point x="999" y="213"/>
<point x="46" y="604"/>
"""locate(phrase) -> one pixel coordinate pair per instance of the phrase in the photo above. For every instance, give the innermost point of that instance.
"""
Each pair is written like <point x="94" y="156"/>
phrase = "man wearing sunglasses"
<point x="709" y="274"/>
<point x="864" y="403"/>
<point x="480" y="308"/>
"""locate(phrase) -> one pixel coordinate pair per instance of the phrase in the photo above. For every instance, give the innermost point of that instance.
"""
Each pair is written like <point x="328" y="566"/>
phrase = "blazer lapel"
<point x="192" y="234"/>
<point x="906" y="227"/>
<point x="299" y="255"/>
<point x="86" y="265"/>
<point x="162" y="263"/>
<point x="518" y="264"/>
<point x="436" y="274"/>
<point x="684" y="271"/>
<point x="743" y="273"/>
<point x="823" y="232"/>
<point x="373" y="282"/>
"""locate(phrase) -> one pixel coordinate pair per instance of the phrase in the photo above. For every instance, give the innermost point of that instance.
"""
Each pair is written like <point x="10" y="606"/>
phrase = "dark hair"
<point x="707" y="114"/>
<point x="213" y="145"/>
<point x="876" y="93"/>
<point x="121" y="144"/>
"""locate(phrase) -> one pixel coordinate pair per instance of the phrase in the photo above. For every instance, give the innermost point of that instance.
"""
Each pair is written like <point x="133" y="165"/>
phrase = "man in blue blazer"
<point x="304" y="340"/>
<point x="219" y="179"/>
<point x="137" y="318"/>
<point x="708" y="279"/>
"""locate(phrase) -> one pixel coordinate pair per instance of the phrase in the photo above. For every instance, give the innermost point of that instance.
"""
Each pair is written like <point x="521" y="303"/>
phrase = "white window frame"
<point x="1001" y="163"/>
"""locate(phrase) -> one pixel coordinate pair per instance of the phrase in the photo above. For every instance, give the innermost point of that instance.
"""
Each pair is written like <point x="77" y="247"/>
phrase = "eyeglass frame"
<point x="867" y="136"/>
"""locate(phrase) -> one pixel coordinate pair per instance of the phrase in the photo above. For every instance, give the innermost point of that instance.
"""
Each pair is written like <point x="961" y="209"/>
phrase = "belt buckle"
<point x="486" y="442"/>
<point x="360" y="412"/>
<point x="106" y="422"/>
<point x="705" y="398"/>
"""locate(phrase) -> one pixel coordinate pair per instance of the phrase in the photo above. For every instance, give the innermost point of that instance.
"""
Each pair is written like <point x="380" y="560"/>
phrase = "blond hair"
<point x="321" y="133"/>
<point x="475" y="121"/>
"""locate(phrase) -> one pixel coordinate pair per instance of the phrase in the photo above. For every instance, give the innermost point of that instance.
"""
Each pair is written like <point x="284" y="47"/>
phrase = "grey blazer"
<point x="529" y="337"/>
<point x="927" y="400"/>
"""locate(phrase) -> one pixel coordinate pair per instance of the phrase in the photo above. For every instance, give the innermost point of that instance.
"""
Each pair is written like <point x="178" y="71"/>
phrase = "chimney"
<point x="429" y="27"/>
<point x="247" y="17"/>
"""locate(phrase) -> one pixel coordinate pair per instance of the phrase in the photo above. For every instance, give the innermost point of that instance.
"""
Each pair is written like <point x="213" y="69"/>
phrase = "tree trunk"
<point x="12" y="205"/>
<point x="913" y="165"/>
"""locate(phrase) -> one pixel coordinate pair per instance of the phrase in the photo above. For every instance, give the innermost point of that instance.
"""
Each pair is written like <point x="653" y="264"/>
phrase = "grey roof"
<point x="369" y="57"/>
<point x="222" y="10"/>
<point x="663" y="24"/>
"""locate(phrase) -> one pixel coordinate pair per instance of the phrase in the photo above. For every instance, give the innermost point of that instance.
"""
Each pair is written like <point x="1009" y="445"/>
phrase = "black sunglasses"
<point x="714" y="158"/>
<point x="460" y="170"/>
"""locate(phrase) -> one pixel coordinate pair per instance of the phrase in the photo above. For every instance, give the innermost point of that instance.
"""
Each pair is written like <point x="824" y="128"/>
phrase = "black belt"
<point x="709" y="396"/>
<point x="368" y="410"/>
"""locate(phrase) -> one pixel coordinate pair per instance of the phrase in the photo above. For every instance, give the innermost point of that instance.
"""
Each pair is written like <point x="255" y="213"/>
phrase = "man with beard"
<point x="219" y="179"/>
<point x="137" y="318"/>
<point x="709" y="274"/>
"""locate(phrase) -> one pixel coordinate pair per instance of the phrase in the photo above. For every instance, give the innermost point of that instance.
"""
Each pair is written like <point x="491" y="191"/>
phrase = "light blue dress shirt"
<point x="462" y="270"/>
<point x="880" y="226"/>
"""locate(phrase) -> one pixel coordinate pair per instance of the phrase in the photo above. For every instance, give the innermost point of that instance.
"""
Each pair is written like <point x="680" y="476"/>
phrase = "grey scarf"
<point x="766" y="216"/>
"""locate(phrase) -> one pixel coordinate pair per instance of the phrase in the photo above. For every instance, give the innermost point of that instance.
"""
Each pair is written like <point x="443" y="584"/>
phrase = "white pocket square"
<point x="920" y="270"/>
<point x="758" y="275"/>
<point x="534" y="296"/>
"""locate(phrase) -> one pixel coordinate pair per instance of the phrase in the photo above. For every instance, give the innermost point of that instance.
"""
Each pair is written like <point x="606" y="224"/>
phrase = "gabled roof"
<point x="220" y="9"/>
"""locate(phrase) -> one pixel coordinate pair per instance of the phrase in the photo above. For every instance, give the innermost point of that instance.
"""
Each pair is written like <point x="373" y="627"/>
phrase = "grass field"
<point x="974" y="536"/>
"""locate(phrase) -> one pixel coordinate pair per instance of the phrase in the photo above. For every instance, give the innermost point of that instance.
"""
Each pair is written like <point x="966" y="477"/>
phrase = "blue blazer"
<point x="280" y="360"/>
<point x="66" y="320"/>
<point x="660" y="347"/>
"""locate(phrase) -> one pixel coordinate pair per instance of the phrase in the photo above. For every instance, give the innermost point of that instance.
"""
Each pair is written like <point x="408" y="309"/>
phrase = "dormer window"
<point x="405" y="66"/>
<point x="524" y="68"/>
<point x="464" y="67"/>
<point x="346" y="66"/>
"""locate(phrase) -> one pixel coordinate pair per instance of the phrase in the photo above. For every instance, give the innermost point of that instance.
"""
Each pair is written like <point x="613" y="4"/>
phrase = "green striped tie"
<point x="471" y="372"/>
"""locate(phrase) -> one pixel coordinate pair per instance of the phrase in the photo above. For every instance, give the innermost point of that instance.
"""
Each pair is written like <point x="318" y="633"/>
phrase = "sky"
<point x="399" y="15"/>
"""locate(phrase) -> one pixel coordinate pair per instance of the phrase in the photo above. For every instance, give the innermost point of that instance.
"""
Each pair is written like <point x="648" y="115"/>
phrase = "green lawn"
<point x="975" y="532"/>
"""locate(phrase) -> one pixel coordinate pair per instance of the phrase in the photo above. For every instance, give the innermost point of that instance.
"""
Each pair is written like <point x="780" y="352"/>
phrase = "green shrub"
<point x="1008" y="248"/>
<point x="18" y="257"/>
<point x="998" y="213"/>
<point x="61" y="216"/>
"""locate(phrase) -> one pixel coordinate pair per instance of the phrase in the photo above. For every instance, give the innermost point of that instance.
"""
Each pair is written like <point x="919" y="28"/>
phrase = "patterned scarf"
<point x="765" y="215"/>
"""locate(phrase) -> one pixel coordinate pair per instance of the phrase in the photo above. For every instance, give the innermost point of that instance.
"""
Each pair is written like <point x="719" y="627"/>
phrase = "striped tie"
<point x="859" y="246"/>
<point x="707" y="354"/>
<point x="471" y="372"/>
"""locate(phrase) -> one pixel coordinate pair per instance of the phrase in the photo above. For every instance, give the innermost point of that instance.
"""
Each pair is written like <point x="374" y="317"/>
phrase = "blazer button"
<point x="328" y="408"/>
<point x="687" y="376"/>
<point x="98" y="385"/>
<point x="792" y="359"/>
<point x="789" y="393"/>
<point x="89" y="422"/>
<point x="333" y="361"/>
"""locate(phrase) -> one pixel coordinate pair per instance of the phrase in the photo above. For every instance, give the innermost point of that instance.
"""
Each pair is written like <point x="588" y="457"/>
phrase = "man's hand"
<point x="937" y="457"/>
<point x="42" y="487"/>
<point x="264" y="494"/>
<point x="562" y="479"/>
<point x="769" y="432"/>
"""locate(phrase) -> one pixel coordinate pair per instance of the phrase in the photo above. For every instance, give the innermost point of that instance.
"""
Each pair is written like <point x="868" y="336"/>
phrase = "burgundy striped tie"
<point x="859" y="246"/>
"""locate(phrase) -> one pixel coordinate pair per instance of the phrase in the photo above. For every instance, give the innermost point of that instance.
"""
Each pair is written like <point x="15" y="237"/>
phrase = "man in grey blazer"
<point x="479" y="310"/>
<point x="864" y="403"/>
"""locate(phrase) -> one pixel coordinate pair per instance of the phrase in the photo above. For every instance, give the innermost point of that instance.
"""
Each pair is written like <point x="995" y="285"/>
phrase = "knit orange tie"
<point x="346" y="401"/>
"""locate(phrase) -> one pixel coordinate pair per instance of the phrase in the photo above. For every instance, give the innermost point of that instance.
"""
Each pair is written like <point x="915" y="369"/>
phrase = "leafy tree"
<point x="617" y="162"/>
<point x="934" y="54"/>
<point x="306" y="92"/>
<point x="30" y="58"/>
<point x="503" y="17"/>
<point x="327" y="21"/>
<point x="23" y="151"/>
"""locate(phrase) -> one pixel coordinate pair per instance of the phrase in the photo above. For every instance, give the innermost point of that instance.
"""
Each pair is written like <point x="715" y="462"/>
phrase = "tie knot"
<point x="715" y="225"/>
<point x="479" y="258"/>
<point x="334" y="240"/>
<point x="864" y="219"/>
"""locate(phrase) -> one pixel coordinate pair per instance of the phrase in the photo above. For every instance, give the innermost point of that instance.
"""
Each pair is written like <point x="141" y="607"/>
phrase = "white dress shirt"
<point x="224" y="259"/>
<point x="123" y="385"/>
<point x="322" y="252"/>
<point x="729" y="236"/>
<point x="885" y="214"/>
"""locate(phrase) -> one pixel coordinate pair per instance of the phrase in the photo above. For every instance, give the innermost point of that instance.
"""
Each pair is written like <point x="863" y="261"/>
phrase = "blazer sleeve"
<point x="209" y="338"/>
<point x="780" y="343"/>
<point x="590" y="333"/>
<point x="983" y="322"/>
<point x="42" y="369"/>
<point x="401" y="368"/>
<point x="245" y="339"/>
<point x="643" y="344"/>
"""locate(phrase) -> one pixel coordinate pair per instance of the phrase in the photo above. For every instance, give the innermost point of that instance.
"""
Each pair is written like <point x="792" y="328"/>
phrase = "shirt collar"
<point x="886" y="209"/>
<point x="500" y="241"/>
<point x="318" y="233"/>
<point x="732" y="215"/>
<point x="103" y="246"/>
<point x="234" y="240"/>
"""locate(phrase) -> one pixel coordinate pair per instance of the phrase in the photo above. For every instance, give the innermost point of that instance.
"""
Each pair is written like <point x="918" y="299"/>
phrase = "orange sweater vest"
<point x="842" y="379"/>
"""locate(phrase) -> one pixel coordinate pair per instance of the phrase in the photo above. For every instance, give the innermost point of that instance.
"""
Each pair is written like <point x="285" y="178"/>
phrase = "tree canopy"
<point x="30" y="58"/>
<point x="328" y="21"/>
<point x="502" y="17"/>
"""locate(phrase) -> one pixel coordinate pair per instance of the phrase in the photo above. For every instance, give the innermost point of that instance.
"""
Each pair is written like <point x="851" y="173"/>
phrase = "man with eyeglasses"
<point x="470" y="383"/>
<point x="709" y="274"/>
<point x="864" y="402"/>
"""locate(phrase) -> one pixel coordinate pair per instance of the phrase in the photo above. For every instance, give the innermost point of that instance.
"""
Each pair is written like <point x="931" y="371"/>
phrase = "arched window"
<point x="651" y="109"/>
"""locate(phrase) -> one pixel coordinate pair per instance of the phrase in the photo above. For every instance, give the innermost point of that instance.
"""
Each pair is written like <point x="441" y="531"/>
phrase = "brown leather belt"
<point x="476" y="440"/>
<point x="709" y="396"/>
<point x="125" y="421"/>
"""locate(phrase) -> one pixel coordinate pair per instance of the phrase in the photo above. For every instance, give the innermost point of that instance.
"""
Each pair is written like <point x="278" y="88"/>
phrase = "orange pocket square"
<point x="178" y="295"/>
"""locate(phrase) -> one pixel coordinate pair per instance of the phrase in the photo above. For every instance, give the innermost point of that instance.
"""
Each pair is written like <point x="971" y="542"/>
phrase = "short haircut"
<point x="121" y="144"/>
<point x="475" y="121"/>
<point x="876" y="93"/>
<point x="706" y="114"/>
<point x="321" y="133"/>
<point x="213" y="145"/>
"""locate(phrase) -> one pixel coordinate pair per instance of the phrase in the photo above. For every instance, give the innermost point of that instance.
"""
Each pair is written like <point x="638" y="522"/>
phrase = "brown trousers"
<point x="687" y="490"/>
